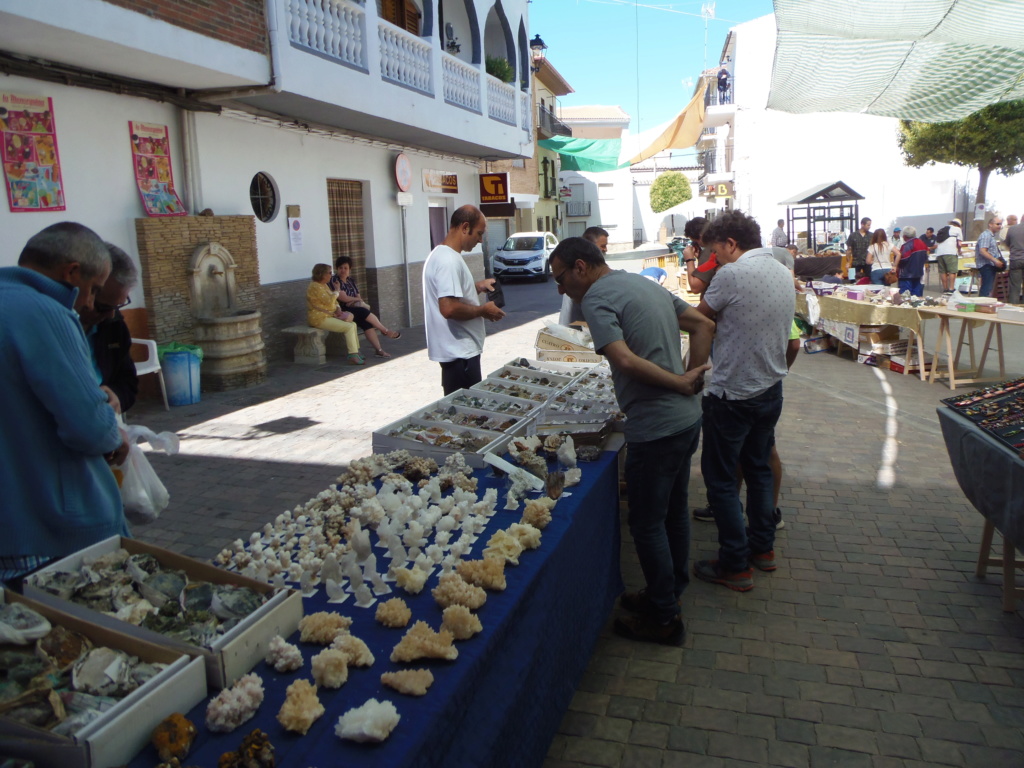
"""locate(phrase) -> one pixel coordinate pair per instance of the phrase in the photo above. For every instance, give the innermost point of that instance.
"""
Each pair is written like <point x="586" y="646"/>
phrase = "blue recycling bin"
<point x="181" y="375"/>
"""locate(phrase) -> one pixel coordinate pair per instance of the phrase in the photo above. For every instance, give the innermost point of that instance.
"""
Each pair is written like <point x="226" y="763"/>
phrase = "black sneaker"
<point x="648" y="629"/>
<point x="704" y="514"/>
<point x="639" y="603"/>
<point x="777" y="517"/>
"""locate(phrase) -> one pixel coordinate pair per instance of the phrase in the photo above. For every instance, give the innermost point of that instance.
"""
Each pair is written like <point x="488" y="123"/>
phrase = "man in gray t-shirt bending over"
<point x="635" y="323"/>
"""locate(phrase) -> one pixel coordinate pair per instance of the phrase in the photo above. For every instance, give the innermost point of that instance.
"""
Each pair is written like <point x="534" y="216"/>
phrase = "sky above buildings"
<point x="643" y="56"/>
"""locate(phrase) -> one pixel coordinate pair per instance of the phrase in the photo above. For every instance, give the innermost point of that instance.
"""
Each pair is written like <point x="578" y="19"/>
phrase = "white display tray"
<point x="384" y="443"/>
<point x="232" y="654"/>
<point x="558" y="381"/>
<point x="119" y="733"/>
<point x="552" y="366"/>
<point x="530" y="405"/>
<point x="545" y="392"/>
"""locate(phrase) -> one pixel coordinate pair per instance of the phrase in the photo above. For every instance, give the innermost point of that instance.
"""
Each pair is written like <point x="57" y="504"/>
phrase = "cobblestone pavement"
<point x="873" y="644"/>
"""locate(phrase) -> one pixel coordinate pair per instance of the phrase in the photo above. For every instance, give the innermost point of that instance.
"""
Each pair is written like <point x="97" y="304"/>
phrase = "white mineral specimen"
<point x="566" y="453"/>
<point x="393" y="613"/>
<point x="412" y="682"/>
<point x="364" y="596"/>
<point x="504" y="544"/>
<point x="330" y="668"/>
<point x="461" y="622"/>
<point x="528" y="535"/>
<point x="234" y="705"/>
<point x="282" y="655"/>
<point x="411" y="580"/>
<point x="356" y="651"/>
<point x="372" y="722"/>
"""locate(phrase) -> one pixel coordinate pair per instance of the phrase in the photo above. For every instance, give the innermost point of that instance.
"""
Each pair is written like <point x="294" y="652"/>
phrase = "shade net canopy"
<point x="927" y="60"/>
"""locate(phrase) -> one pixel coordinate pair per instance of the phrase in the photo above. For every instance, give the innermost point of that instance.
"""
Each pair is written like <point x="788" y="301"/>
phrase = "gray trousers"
<point x="1016" y="280"/>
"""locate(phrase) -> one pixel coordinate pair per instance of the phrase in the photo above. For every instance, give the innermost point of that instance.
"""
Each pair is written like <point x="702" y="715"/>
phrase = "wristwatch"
<point x="688" y="261"/>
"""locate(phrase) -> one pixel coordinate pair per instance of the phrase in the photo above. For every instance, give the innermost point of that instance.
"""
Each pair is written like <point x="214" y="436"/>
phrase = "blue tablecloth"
<point x="501" y="702"/>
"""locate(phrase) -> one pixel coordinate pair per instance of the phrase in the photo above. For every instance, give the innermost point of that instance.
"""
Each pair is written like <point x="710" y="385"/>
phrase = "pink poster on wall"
<point x="151" y="158"/>
<point x="29" y="152"/>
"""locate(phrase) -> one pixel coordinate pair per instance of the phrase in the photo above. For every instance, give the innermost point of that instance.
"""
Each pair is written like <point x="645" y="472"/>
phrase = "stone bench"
<point x="310" y="344"/>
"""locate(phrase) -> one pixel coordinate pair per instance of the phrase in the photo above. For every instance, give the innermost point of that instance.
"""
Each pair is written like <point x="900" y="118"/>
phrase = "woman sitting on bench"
<point x="349" y="299"/>
<point x="322" y="311"/>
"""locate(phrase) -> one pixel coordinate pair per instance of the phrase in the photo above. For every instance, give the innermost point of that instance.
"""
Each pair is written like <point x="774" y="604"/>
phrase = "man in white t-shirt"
<point x="947" y="253"/>
<point x="451" y="305"/>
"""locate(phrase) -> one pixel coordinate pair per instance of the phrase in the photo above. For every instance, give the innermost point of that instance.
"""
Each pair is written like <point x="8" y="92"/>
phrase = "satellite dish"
<point x="449" y="30"/>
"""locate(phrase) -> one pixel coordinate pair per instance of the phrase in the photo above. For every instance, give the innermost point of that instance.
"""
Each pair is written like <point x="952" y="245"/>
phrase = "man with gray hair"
<point x="59" y="432"/>
<point x="108" y="334"/>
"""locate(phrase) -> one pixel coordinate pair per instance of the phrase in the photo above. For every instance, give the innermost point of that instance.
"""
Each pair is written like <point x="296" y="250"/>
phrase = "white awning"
<point x="927" y="60"/>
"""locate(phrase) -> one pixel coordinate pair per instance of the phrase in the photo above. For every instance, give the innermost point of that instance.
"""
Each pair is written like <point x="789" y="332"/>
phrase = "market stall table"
<point x="501" y="701"/>
<point x="992" y="479"/>
<point x="944" y="343"/>
<point x="849" y="314"/>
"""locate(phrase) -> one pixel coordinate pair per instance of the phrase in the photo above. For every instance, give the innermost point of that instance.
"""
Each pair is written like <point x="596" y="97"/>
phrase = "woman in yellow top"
<point x="322" y="311"/>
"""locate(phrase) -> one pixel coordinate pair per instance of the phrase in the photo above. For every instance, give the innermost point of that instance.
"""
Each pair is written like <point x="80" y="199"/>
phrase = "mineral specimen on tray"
<point x="411" y="682"/>
<point x="393" y="613"/>
<point x="588" y="453"/>
<point x="538" y="512"/>
<point x="461" y="622"/>
<point x="573" y="477"/>
<point x="322" y="627"/>
<point x="452" y="589"/>
<point x="330" y="668"/>
<point x="488" y="573"/>
<point x="372" y="722"/>
<point x="528" y="535"/>
<point x="301" y="707"/>
<point x="20" y="625"/>
<point x="282" y="655"/>
<point x="554" y="484"/>
<point x="364" y="596"/>
<point x="357" y="652"/>
<point x="233" y="706"/>
<point x="411" y="579"/>
<point x="173" y="737"/>
<point x="504" y="544"/>
<point x="421" y="642"/>
<point x="335" y="591"/>
<point x="62" y="647"/>
<point x="104" y="672"/>
<point x="234" y="602"/>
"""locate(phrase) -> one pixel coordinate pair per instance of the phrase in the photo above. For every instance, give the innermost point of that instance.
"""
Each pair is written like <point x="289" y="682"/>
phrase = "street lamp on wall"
<point x="537" y="48"/>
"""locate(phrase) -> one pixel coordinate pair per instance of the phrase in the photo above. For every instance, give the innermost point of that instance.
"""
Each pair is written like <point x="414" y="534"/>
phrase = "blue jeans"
<point x="912" y="284"/>
<point x="657" y="481"/>
<point x="878" y="276"/>
<point x="988" y="279"/>
<point x="741" y="433"/>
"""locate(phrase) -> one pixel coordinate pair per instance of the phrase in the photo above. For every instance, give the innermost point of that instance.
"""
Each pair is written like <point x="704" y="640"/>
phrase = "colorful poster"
<point x="29" y="152"/>
<point x="151" y="157"/>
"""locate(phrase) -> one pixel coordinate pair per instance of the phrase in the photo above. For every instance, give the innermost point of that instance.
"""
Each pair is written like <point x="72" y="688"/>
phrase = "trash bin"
<point x="180" y="364"/>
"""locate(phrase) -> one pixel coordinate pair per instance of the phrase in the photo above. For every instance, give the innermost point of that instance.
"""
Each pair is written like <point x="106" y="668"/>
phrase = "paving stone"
<point x="734" y="747"/>
<point x="842" y="737"/>
<point x="799" y="731"/>
<point x="594" y="752"/>
<point x="688" y="739"/>
<point x="592" y="703"/>
<point x="625" y="706"/>
<point x="896" y="745"/>
<point x="830" y="757"/>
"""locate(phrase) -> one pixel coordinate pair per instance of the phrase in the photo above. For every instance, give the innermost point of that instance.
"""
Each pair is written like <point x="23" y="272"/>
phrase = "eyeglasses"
<point x="104" y="308"/>
<point x="560" y="276"/>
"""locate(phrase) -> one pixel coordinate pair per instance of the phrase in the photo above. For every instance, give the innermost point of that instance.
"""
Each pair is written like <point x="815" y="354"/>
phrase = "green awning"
<point x="586" y="154"/>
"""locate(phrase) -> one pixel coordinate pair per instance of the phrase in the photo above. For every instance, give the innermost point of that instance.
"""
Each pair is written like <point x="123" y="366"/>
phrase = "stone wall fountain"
<point x="230" y="336"/>
<point x="201" y="279"/>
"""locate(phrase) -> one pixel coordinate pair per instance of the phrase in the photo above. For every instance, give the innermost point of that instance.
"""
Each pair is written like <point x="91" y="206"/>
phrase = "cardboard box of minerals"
<point x="120" y="732"/>
<point x="228" y="656"/>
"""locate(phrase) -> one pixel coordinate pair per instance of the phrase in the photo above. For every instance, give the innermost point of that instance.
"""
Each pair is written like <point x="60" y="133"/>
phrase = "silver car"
<point x="525" y="254"/>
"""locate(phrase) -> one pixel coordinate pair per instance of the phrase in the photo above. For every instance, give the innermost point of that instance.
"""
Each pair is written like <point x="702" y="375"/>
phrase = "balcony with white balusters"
<point x="338" y="64"/>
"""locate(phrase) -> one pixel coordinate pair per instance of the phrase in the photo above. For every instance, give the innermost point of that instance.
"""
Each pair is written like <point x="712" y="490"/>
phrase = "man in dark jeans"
<point x="857" y="248"/>
<point x="752" y="301"/>
<point x="635" y="323"/>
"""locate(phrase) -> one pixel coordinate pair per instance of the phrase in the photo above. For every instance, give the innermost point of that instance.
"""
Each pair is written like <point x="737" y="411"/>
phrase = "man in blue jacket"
<point x="59" y="432"/>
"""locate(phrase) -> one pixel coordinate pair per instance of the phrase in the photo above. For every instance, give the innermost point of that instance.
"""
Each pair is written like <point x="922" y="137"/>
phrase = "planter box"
<point x="119" y="733"/>
<point x="232" y="654"/>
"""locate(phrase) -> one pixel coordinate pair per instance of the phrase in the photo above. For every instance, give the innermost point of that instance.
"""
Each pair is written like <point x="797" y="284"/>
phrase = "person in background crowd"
<point x="571" y="312"/>
<point x="1015" y="245"/>
<point x="350" y="301"/>
<point x="636" y="325"/>
<point x="451" y="305"/>
<point x="987" y="256"/>
<point x="723" y="85"/>
<point x="857" y="248"/>
<point x="322" y="311"/>
<point x="59" y="433"/>
<point x="880" y="256"/>
<point x="947" y="254"/>
<point x="752" y="301"/>
<point x="793" y="250"/>
<point x="108" y="335"/>
<point x="657" y="274"/>
<point x="909" y="262"/>
<point x="928" y="238"/>
<point x="779" y="237"/>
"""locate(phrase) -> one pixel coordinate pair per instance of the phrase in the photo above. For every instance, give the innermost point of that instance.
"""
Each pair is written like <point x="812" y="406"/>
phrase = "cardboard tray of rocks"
<point x="230" y="655"/>
<point x="120" y="732"/>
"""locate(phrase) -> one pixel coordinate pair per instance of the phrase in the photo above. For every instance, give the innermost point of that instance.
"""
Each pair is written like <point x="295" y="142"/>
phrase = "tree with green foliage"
<point x="991" y="139"/>
<point x="669" y="190"/>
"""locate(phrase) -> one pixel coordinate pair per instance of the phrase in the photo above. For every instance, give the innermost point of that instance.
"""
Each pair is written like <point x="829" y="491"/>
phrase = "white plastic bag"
<point x="142" y="493"/>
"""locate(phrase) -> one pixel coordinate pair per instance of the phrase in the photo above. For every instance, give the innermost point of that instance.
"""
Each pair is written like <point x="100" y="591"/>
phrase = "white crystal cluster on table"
<point x="418" y="529"/>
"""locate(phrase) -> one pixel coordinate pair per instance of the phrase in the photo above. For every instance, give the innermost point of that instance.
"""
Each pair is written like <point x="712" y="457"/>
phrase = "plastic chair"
<point x="151" y="365"/>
